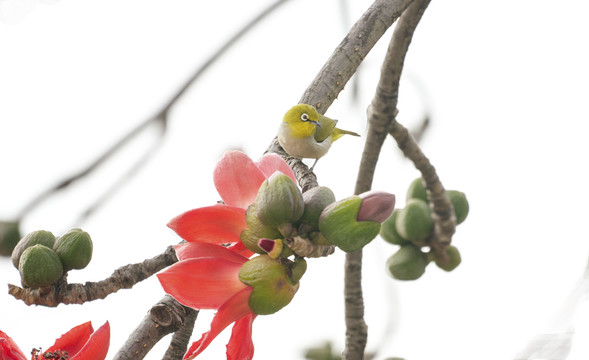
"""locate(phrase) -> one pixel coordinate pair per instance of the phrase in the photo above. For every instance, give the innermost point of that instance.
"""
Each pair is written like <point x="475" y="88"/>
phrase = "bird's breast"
<point x="306" y="147"/>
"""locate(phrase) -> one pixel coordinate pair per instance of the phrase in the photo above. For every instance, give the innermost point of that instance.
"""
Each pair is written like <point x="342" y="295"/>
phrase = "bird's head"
<point x="302" y="120"/>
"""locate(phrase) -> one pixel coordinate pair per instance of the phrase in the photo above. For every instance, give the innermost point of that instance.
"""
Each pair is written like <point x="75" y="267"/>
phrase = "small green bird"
<point x="304" y="133"/>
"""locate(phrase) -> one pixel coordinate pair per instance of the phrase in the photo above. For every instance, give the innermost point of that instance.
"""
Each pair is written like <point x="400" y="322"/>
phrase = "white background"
<point x="507" y="84"/>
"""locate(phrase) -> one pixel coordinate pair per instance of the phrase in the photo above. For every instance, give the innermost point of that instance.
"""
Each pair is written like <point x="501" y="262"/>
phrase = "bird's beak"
<point x="317" y="123"/>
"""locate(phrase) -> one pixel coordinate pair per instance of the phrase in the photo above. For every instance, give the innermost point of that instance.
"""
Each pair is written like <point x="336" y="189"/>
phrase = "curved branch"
<point x="383" y="110"/>
<point x="124" y="277"/>
<point x="165" y="317"/>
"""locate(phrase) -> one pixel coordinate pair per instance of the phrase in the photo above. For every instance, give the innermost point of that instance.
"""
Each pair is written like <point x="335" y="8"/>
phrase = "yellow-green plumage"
<point x="304" y="133"/>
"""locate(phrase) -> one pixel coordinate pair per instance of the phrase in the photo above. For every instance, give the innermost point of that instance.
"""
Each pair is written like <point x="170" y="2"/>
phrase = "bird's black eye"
<point x="305" y="117"/>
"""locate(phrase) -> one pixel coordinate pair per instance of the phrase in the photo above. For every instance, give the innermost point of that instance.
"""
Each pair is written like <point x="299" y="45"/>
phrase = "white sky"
<point x="507" y="82"/>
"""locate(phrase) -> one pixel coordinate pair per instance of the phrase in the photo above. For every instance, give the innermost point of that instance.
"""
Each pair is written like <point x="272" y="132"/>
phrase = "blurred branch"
<point x="124" y="277"/>
<point x="160" y="117"/>
<point x="165" y="317"/>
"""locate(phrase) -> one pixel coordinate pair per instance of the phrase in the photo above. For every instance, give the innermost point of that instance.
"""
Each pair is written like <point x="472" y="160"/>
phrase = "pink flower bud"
<point x="376" y="206"/>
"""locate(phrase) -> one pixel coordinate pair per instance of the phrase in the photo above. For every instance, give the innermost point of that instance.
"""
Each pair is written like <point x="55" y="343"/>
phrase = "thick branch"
<point x="340" y="67"/>
<point x="124" y="277"/>
<point x="165" y="317"/>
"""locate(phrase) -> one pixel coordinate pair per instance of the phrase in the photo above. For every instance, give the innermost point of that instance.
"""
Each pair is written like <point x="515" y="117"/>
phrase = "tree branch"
<point x="124" y="277"/>
<point x="165" y="317"/>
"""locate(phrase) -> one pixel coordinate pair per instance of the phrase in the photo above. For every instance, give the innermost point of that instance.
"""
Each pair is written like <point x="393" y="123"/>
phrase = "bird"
<point x="304" y="133"/>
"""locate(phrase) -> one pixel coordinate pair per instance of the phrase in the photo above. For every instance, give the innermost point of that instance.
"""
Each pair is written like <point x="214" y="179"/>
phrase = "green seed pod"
<point x="74" y="248"/>
<point x="9" y="236"/>
<point x="279" y="201"/>
<point x="33" y="238"/>
<point x="39" y="266"/>
<point x="272" y="282"/>
<point x="388" y="230"/>
<point x="460" y="204"/>
<point x="315" y="199"/>
<point x="414" y="222"/>
<point x="417" y="190"/>
<point x="256" y="230"/>
<point x="408" y="263"/>
<point x="339" y="225"/>
<point x="453" y="260"/>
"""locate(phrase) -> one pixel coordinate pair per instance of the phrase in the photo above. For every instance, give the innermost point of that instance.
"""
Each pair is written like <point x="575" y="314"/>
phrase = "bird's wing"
<point x="325" y="130"/>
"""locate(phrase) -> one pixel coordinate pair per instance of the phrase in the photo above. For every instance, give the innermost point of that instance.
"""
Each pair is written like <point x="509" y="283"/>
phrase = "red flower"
<point x="80" y="343"/>
<point x="207" y="275"/>
<point x="237" y="179"/>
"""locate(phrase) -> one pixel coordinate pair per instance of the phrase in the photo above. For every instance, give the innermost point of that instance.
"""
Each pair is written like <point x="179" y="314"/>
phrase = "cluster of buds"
<point x="412" y="228"/>
<point x="42" y="259"/>
<point x="283" y="220"/>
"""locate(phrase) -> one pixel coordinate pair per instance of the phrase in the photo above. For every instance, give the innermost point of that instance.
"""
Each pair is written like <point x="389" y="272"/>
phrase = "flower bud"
<point x="417" y="190"/>
<point x="315" y="199"/>
<point x="274" y="282"/>
<point x="408" y="263"/>
<point x="388" y="230"/>
<point x="74" y="248"/>
<point x="9" y="236"/>
<point x="39" y="266"/>
<point x="279" y="200"/>
<point x="338" y="223"/>
<point x="33" y="238"/>
<point x="459" y="203"/>
<point x="376" y="206"/>
<point x="272" y="247"/>
<point x="414" y="221"/>
<point x="256" y="230"/>
<point x="452" y="261"/>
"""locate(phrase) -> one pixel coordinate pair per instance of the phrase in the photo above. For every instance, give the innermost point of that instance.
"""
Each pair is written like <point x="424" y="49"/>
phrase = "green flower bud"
<point x="74" y="248"/>
<point x="39" y="266"/>
<point x="256" y="230"/>
<point x="9" y="236"/>
<point x="33" y="238"/>
<point x="274" y="282"/>
<point x="279" y="200"/>
<point x="414" y="222"/>
<point x="417" y="190"/>
<point x="452" y="261"/>
<point x="315" y="199"/>
<point x="338" y="223"/>
<point x="408" y="263"/>
<point x="460" y="204"/>
<point x="388" y="230"/>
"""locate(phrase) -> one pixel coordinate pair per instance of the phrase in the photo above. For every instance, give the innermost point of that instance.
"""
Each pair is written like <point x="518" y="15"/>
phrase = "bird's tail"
<point x="338" y="133"/>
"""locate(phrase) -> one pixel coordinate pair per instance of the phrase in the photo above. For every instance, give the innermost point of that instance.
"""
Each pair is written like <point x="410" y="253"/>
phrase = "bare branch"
<point x="124" y="277"/>
<point x="165" y="317"/>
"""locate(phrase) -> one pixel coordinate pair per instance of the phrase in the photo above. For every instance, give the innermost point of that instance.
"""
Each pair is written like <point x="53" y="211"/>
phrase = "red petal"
<point x="241" y="249"/>
<point x="8" y="348"/>
<point x="202" y="283"/>
<point x="271" y="163"/>
<point x="241" y="346"/>
<point x="200" y="250"/>
<point x="234" y="309"/>
<point x="237" y="179"/>
<point x="97" y="346"/>
<point x="219" y="224"/>
<point x="73" y="340"/>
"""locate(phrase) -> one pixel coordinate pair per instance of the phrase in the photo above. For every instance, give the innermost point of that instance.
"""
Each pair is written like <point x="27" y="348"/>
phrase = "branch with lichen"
<point x="124" y="277"/>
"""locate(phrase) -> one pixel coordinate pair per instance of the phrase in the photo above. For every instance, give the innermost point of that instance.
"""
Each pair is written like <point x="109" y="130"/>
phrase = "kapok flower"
<point x="237" y="179"/>
<point x="79" y="343"/>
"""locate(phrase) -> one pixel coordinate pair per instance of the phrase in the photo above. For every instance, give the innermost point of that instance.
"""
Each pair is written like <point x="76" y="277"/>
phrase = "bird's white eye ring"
<point x="304" y="117"/>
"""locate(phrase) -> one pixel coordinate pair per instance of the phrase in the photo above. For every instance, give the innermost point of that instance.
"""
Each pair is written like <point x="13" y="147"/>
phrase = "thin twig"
<point x="124" y="277"/>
